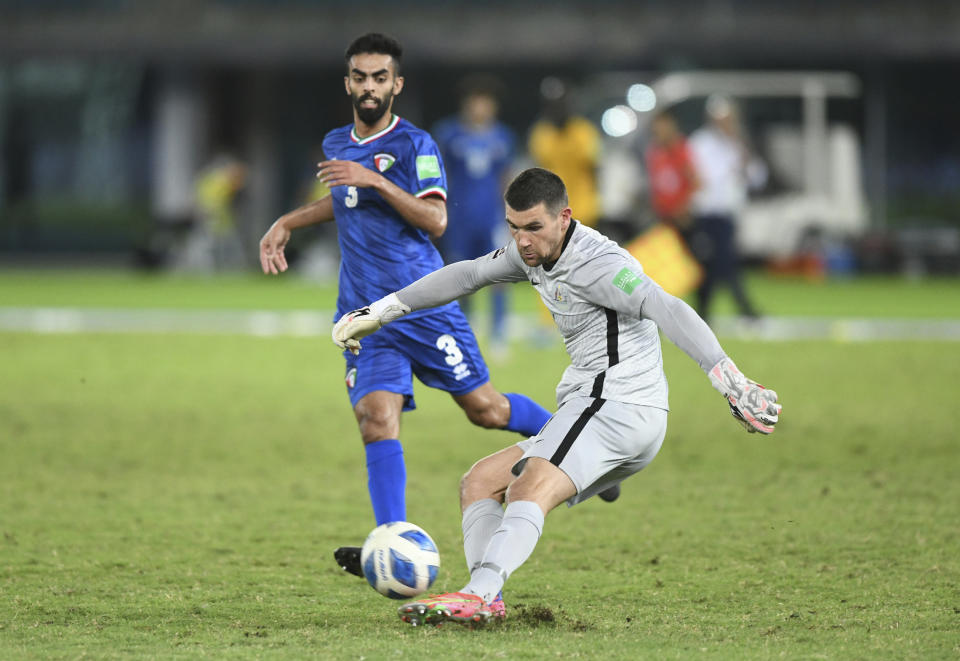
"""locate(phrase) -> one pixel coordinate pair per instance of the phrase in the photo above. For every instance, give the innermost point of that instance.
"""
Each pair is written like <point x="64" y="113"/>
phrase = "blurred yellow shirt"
<point x="216" y="189"/>
<point x="572" y="153"/>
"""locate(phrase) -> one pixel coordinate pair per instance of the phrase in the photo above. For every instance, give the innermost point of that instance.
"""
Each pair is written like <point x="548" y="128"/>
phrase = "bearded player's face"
<point x="372" y="83"/>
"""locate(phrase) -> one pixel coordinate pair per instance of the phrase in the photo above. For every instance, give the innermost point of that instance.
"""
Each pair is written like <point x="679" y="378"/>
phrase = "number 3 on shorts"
<point x="447" y="344"/>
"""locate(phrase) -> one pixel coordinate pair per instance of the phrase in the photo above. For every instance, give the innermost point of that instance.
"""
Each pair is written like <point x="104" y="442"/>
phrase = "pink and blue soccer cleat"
<point x="451" y="607"/>
<point x="497" y="609"/>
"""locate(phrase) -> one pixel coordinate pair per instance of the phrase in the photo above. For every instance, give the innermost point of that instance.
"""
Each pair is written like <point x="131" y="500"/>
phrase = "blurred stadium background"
<point x="110" y="110"/>
<point x="174" y="489"/>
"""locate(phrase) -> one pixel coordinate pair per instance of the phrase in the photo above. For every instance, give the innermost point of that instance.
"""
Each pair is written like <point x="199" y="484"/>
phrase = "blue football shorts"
<point x="438" y="347"/>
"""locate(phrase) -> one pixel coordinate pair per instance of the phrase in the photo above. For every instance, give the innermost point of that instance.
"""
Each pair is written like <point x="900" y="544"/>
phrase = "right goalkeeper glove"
<point x="353" y="326"/>
<point x="754" y="406"/>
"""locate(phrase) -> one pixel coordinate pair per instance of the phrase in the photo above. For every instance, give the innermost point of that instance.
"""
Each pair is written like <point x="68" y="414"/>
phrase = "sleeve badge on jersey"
<point x="384" y="161"/>
<point x="626" y="280"/>
<point x="428" y="167"/>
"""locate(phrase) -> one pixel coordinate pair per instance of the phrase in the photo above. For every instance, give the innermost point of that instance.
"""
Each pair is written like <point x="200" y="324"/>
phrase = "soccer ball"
<point x="399" y="560"/>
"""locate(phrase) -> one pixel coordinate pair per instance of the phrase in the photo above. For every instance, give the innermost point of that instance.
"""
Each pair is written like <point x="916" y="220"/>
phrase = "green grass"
<point x="934" y="298"/>
<point x="180" y="496"/>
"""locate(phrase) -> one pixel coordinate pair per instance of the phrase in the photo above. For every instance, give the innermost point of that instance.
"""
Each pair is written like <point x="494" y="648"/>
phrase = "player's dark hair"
<point x="374" y="42"/>
<point x="536" y="185"/>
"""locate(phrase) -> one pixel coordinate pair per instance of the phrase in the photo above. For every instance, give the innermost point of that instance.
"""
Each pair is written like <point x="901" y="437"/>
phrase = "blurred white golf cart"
<point x="816" y="161"/>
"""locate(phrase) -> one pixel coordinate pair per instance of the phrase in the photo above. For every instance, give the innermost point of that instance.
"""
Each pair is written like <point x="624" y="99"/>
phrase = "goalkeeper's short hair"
<point x="536" y="185"/>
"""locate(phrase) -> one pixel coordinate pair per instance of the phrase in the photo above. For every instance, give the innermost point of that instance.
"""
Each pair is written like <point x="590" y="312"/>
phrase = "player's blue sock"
<point x="526" y="416"/>
<point x="387" y="480"/>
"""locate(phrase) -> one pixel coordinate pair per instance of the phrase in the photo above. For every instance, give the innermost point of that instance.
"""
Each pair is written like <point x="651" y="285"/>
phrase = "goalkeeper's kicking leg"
<point x="589" y="445"/>
<point x="495" y="541"/>
<point x="540" y="487"/>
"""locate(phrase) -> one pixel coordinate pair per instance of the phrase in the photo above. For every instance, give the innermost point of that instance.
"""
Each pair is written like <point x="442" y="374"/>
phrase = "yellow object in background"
<point x="318" y="191"/>
<point x="216" y="189"/>
<point x="572" y="152"/>
<point x="666" y="259"/>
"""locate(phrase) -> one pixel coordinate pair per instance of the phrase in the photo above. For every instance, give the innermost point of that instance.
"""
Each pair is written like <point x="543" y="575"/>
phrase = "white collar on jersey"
<point x="370" y="138"/>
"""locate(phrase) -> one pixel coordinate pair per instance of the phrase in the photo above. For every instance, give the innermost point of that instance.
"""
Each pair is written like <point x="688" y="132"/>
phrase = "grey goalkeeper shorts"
<point x="597" y="443"/>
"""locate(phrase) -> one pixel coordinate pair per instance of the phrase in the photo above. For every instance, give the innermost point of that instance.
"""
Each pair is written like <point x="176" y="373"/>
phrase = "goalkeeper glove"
<point x="358" y="324"/>
<point x="753" y="406"/>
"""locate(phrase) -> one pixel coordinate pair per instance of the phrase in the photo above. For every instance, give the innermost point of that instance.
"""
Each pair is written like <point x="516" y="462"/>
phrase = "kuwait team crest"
<point x="384" y="161"/>
<point x="351" y="377"/>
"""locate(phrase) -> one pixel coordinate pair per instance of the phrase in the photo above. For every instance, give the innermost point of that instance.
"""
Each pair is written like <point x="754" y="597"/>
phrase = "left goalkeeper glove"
<point x="353" y="326"/>
<point x="754" y="406"/>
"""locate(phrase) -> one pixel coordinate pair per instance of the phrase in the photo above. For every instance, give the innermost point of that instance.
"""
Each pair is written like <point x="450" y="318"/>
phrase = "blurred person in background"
<point x="726" y="169"/>
<point x="477" y="152"/>
<point x="388" y="199"/>
<point x="569" y="145"/>
<point x="671" y="173"/>
<point x="213" y="242"/>
<point x="664" y="247"/>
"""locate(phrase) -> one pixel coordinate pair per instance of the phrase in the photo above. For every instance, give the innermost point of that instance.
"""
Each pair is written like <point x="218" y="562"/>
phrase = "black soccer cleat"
<point x="348" y="557"/>
<point x="607" y="495"/>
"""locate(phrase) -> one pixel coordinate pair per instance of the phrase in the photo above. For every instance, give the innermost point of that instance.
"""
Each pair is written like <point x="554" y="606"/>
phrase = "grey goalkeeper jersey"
<point x="607" y="310"/>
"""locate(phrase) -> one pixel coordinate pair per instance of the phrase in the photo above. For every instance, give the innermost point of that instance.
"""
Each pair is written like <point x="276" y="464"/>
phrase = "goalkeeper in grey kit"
<point x="612" y="399"/>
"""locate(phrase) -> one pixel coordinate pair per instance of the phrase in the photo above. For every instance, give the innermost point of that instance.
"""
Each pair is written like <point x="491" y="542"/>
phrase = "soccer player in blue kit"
<point x="477" y="150"/>
<point x="388" y="198"/>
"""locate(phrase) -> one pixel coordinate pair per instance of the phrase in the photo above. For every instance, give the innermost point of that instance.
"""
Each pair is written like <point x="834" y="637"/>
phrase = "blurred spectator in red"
<point x="664" y="248"/>
<point x="671" y="172"/>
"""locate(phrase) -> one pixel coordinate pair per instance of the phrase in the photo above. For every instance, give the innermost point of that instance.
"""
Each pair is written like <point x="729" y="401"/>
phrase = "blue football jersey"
<point x="476" y="162"/>
<point x="380" y="252"/>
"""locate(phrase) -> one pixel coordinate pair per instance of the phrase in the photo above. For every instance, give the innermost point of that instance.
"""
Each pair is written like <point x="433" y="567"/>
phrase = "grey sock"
<point x="510" y="546"/>
<point x="480" y="520"/>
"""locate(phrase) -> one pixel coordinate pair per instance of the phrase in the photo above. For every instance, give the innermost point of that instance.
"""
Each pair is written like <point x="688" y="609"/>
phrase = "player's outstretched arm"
<point x="434" y="289"/>
<point x="753" y="406"/>
<point x="272" y="245"/>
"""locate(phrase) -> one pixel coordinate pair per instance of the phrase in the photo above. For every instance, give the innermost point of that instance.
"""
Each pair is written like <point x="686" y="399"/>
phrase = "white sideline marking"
<point x="264" y="323"/>
<point x="837" y="329"/>
<point x="310" y="323"/>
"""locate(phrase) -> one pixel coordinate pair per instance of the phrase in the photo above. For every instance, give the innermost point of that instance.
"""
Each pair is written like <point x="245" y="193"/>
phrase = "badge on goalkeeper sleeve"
<point x="355" y="325"/>
<point x="752" y="405"/>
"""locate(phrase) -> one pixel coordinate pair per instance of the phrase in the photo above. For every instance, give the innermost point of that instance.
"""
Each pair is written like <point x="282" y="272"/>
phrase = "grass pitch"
<point x="175" y="496"/>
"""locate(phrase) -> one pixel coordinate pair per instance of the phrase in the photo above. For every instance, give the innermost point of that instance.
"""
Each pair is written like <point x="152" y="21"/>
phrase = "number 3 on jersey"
<point x="454" y="358"/>
<point x="351" y="199"/>
<point x="447" y="344"/>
